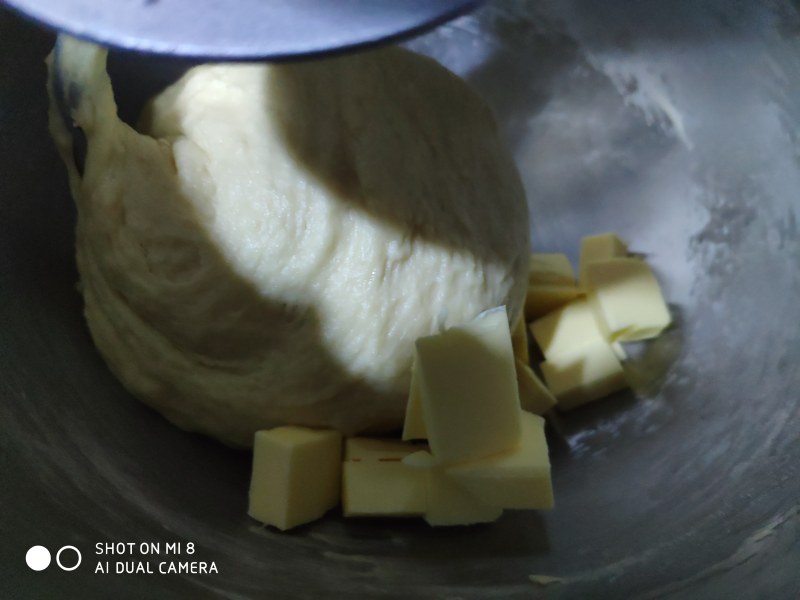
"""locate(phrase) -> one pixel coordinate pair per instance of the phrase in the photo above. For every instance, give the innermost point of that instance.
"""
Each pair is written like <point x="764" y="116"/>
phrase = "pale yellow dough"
<point x="269" y="253"/>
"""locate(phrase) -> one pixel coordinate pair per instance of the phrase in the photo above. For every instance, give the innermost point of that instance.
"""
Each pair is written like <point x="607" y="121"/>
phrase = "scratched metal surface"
<point x="672" y="123"/>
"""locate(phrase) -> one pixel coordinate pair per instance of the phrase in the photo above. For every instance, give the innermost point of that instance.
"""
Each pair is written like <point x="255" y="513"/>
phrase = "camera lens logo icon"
<point x="38" y="558"/>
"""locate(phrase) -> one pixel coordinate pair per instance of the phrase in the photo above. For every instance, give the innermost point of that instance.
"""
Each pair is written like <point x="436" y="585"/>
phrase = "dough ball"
<point x="269" y="246"/>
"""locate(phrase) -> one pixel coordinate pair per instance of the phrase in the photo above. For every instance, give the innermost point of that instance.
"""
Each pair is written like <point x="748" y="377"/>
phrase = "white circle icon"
<point x="58" y="558"/>
<point x="38" y="558"/>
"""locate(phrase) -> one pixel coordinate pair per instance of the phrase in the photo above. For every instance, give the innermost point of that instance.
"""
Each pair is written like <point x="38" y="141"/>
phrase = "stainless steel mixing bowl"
<point x="673" y="123"/>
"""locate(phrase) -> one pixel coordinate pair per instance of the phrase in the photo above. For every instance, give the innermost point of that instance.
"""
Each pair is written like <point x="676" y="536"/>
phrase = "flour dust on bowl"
<point x="671" y="126"/>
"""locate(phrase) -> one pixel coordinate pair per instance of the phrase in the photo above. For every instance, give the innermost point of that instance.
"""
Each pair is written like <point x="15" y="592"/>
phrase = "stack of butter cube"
<point x="473" y="441"/>
<point x="476" y="452"/>
<point x="483" y="453"/>
<point x="579" y="326"/>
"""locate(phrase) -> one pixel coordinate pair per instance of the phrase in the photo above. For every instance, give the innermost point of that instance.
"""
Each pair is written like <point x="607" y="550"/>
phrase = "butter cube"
<point x="534" y="396"/>
<point x="468" y="389"/>
<point x="519" y="479"/>
<point x="568" y="328"/>
<point x="414" y="424"/>
<point x="599" y="247"/>
<point x="296" y="475"/>
<point x="544" y="267"/>
<point x="519" y="340"/>
<point x="543" y="298"/>
<point x="627" y="299"/>
<point x="589" y="373"/>
<point x="377" y="449"/>
<point x="383" y="488"/>
<point x="450" y="504"/>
